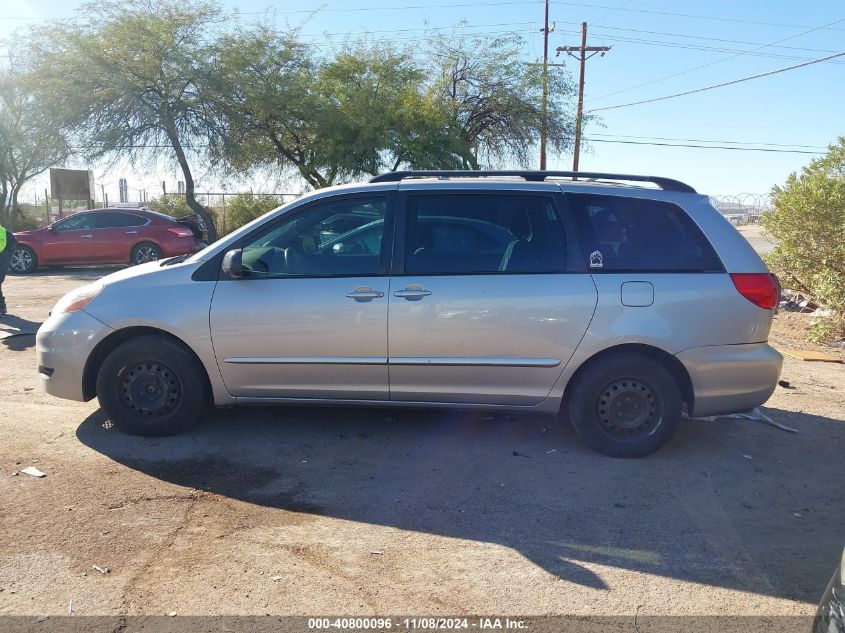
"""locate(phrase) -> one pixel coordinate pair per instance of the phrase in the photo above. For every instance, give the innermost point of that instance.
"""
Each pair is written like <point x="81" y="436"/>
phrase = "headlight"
<point x="77" y="299"/>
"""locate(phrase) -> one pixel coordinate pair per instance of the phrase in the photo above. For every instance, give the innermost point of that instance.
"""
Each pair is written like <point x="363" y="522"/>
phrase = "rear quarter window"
<point x="622" y="234"/>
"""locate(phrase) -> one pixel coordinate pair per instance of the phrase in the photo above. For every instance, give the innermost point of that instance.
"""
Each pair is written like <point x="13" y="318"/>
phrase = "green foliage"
<point x="458" y="103"/>
<point x="129" y="74"/>
<point x="173" y="205"/>
<point x="244" y="208"/>
<point x="29" y="141"/>
<point x="492" y="99"/>
<point x="808" y="221"/>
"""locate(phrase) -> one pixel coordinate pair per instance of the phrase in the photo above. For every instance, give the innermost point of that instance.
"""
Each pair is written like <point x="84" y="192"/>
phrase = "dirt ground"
<point x="316" y="511"/>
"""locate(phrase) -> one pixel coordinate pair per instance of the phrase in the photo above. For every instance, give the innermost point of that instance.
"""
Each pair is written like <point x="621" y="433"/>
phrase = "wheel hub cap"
<point x="628" y="407"/>
<point x="151" y="389"/>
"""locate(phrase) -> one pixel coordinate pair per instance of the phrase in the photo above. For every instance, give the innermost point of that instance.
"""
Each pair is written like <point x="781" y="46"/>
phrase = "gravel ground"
<point x="362" y="511"/>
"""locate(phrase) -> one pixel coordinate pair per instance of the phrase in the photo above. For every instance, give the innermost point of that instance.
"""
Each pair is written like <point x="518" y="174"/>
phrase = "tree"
<point x="492" y="99"/>
<point x="29" y="144"/>
<point x="374" y="108"/>
<point x="361" y="112"/>
<point x="244" y="208"/>
<point x="127" y="78"/>
<point x="808" y="222"/>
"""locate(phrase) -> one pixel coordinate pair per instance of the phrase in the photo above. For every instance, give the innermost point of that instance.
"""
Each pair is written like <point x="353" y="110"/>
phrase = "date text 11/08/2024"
<point x="424" y="623"/>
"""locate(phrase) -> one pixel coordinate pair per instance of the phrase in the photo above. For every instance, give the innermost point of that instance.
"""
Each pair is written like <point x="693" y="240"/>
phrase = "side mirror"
<point x="53" y="229"/>
<point x="233" y="264"/>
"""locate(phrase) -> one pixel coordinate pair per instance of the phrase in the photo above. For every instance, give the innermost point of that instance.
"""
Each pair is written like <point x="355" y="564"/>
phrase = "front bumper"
<point x="731" y="378"/>
<point x="62" y="346"/>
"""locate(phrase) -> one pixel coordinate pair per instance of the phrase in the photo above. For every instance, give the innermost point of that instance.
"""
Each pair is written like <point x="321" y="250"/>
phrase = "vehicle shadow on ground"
<point x="716" y="506"/>
<point x="16" y="333"/>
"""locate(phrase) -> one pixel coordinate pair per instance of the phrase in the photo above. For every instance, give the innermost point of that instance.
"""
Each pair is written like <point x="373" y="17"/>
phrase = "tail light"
<point x="761" y="289"/>
<point x="181" y="232"/>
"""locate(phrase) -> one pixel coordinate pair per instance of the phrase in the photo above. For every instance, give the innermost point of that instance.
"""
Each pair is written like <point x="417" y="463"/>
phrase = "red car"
<point x="104" y="236"/>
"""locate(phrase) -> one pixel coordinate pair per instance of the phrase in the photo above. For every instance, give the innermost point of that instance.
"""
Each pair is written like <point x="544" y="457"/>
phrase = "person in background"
<point x="7" y="245"/>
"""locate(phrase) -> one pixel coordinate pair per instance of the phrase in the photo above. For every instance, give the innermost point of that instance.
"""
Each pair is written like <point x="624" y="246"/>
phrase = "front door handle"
<point x="86" y="236"/>
<point x="412" y="292"/>
<point x="364" y="293"/>
<point x="132" y="232"/>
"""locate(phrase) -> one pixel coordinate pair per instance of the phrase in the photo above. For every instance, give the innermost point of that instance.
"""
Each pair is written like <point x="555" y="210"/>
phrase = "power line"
<point x="428" y="28"/>
<point x="710" y="39"/>
<point x="709" y="49"/>
<point x="699" y="140"/>
<point x="721" y="85"/>
<point x="583" y="5"/>
<point x="725" y="147"/>
<point x="718" y="61"/>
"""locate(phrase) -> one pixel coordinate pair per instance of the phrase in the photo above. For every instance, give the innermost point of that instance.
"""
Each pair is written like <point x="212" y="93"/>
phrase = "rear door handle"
<point x="132" y="232"/>
<point x="364" y="293"/>
<point x="86" y="236"/>
<point x="412" y="292"/>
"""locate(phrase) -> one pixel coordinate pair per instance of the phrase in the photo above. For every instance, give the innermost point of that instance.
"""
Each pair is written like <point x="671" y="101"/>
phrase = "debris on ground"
<point x="32" y="471"/>
<point x="796" y="302"/>
<point x="554" y="450"/>
<point x="276" y="578"/>
<point x="754" y="414"/>
<point x="171" y="614"/>
<point x="785" y="384"/>
<point x="747" y="456"/>
<point x="102" y="570"/>
<point x="797" y="515"/>
<point x="810" y="355"/>
<point x="518" y="454"/>
<point x="42" y="618"/>
<point x="377" y="552"/>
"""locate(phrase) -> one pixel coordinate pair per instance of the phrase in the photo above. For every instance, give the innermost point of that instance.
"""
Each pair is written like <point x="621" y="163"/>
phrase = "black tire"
<point x="23" y="260"/>
<point x="625" y="405"/>
<point x="144" y="252"/>
<point x="151" y="385"/>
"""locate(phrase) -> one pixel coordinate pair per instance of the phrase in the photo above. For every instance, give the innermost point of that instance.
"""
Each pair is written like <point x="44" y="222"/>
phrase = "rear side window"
<point x="636" y="234"/>
<point x="463" y="234"/>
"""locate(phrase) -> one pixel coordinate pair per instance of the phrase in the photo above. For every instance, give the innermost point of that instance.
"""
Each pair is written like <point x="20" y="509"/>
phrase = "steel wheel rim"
<point x="21" y="260"/>
<point x="145" y="254"/>
<point x="151" y="389"/>
<point x="629" y="408"/>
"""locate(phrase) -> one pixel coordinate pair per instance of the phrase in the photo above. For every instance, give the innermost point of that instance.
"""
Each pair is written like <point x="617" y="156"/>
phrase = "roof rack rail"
<point x="667" y="184"/>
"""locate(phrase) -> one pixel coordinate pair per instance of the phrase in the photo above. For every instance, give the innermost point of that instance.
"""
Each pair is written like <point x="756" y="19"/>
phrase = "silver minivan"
<point x="619" y="307"/>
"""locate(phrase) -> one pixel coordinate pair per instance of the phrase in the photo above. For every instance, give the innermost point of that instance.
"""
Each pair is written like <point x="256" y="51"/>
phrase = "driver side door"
<point x="309" y="318"/>
<point x="70" y="241"/>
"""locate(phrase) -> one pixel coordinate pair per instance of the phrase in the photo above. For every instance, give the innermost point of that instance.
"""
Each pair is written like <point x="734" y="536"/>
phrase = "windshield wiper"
<point x="175" y="260"/>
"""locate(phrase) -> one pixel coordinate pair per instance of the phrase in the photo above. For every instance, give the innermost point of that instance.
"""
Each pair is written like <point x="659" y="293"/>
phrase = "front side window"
<point x="483" y="233"/>
<point x="112" y="220"/>
<point x="79" y="222"/>
<point x="637" y="234"/>
<point x="335" y="238"/>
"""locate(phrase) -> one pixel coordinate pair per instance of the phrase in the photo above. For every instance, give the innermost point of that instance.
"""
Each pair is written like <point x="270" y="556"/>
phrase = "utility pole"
<point x="544" y="106"/>
<point x="582" y="57"/>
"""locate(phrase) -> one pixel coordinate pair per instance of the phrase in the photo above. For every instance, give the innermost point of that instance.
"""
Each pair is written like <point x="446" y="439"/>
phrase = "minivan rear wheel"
<point x="151" y="385"/>
<point x="625" y="405"/>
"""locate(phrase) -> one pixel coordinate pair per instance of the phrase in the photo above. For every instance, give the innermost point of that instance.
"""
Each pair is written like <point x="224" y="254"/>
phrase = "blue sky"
<point x="651" y="39"/>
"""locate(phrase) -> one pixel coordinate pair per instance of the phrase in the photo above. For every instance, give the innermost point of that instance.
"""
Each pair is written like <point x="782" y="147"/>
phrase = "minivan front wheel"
<point x="625" y="405"/>
<point x="151" y="385"/>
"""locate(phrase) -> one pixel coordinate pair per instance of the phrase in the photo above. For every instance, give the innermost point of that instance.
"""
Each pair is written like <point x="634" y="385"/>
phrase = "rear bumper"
<point x="62" y="346"/>
<point x="731" y="378"/>
<point x="180" y="246"/>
